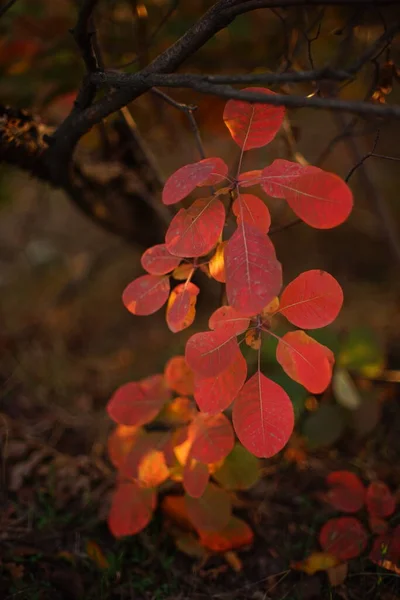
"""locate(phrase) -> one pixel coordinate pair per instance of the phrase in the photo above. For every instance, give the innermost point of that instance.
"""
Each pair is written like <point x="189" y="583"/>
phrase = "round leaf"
<point x="240" y="470"/>
<point x="344" y="537"/>
<point x="146" y="294"/>
<point x="158" y="261"/>
<point x="131" y="509"/>
<point x="204" y="172"/>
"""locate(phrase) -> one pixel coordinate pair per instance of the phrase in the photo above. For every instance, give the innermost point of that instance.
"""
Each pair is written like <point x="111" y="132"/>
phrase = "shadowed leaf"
<point x="208" y="171"/>
<point x="344" y="537"/>
<point x="210" y="512"/>
<point x="131" y="509"/>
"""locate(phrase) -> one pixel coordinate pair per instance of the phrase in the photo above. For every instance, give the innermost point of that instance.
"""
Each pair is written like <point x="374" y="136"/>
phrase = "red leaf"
<point x="215" y="394"/>
<point x="319" y="198"/>
<point x="230" y="319"/>
<point x="380" y="500"/>
<point x="312" y="300"/>
<point x="137" y="403"/>
<point x="344" y="537"/>
<point x="181" y="309"/>
<point x="131" y="509"/>
<point x="212" y="436"/>
<point x="210" y="512"/>
<point x="234" y="535"/>
<point x="146" y="294"/>
<point x="196" y="230"/>
<point x="120" y="442"/>
<point x="195" y="478"/>
<point x="250" y="178"/>
<point x="277" y="179"/>
<point x="252" y="209"/>
<point x="386" y="550"/>
<point x="305" y="360"/>
<point x="378" y="526"/>
<point x="253" y="125"/>
<point x="211" y="352"/>
<point x="208" y="171"/>
<point x="347" y="491"/>
<point x="263" y="416"/>
<point x="178" y="376"/>
<point x="253" y="274"/>
<point x="158" y="261"/>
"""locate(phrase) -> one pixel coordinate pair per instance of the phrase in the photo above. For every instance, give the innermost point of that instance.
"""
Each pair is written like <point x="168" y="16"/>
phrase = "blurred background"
<point x="66" y="340"/>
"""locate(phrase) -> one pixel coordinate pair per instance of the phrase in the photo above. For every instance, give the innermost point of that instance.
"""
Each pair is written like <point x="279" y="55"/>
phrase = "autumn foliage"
<point x="224" y="234"/>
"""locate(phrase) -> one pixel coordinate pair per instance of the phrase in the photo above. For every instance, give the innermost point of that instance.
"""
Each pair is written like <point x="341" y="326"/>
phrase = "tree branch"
<point x="6" y="7"/>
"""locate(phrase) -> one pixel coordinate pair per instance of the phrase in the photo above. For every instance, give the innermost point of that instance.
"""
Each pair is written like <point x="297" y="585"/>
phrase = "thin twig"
<point x="188" y="109"/>
<point x="363" y="159"/>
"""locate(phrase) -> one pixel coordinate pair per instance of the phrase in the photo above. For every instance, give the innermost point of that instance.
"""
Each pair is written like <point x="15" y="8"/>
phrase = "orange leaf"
<point x="181" y="305"/>
<point x="152" y="469"/>
<point x="253" y="339"/>
<point x="217" y="263"/>
<point x="179" y="376"/>
<point x="234" y="535"/>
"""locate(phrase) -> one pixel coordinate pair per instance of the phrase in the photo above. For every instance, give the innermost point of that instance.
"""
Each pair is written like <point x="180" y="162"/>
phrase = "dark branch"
<point x="6" y="7"/>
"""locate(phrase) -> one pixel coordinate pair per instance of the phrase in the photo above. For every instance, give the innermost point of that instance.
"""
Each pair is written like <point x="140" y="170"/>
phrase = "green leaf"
<point x="240" y="471"/>
<point x="361" y="352"/>
<point x="325" y="426"/>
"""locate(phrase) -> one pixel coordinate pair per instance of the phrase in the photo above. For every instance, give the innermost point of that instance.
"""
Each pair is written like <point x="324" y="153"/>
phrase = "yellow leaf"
<point x="182" y="272"/>
<point x="217" y="264"/>
<point x="253" y="339"/>
<point x="94" y="552"/>
<point x="317" y="561"/>
<point x="271" y="308"/>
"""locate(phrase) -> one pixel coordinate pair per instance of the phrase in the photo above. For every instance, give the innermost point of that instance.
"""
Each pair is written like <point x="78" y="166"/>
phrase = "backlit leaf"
<point x="211" y="352"/>
<point x="234" y="535"/>
<point x="263" y="416"/>
<point x="212" y="436"/>
<point x="158" y="261"/>
<point x="344" y="537"/>
<point x="312" y="300"/>
<point x="142" y="452"/>
<point x="137" y="403"/>
<point x="178" y="412"/>
<point x="253" y="274"/>
<point x="347" y="492"/>
<point x="228" y="318"/>
<point x="179" y="376"/>
<point x="195" y="478"/>
<point x="208" y="171"/>
<point x="181" y="307"/>
<point x="212" y="511"/>
<point x="215" y="394"/>
<point x="217" y="263"/>
<point x="253" y="338"/>
<point x="321" y="199"/>
<point x="253" y="125"/>
<point x="253" y="210"/>
<point x="131" y="509"/>
<point x="380" y="500"/>
<point x="305" y="360"/>
<point x="196" y="230"/>
<point x="279" y="176"/>
<point x="146" y="294"/>
<point x="152" y="469"/>
<point x="250" y="178"/>
<point x="239" y="471"/>
<point x="182" y="272"/>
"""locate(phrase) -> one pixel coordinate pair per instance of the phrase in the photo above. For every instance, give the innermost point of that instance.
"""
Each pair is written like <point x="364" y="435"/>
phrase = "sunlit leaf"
<point x="312" y="300"/>
<point x="217" y="263"/>
<point x="211" y="352"/>
<point x="253" y="274"/>
<point x="253" y="125"/>
<point x="279" y="176"/>
<point x="380" y="500"/>
<point x="208" y="171"/>
<point x="227" y="317"/>
<point x="215" y="394"/>
<point x="181" y="307"/>
<point x="142" y="452"/>
<point x="344" y="537"/>
<point x="253" y="210"/>
<point x="179" y="376"/>
<point x="152" y="469"/>
<point x="212" y="436"/>
<point x="195" y="478"/>
<point x="263" y="416"/>
<point x="158" y="261"/>
<point x="178" y="412"/>
<point x="347" y="492"/>
<point x="234" y="535"/>
<point x="146" y="294"/>
<point x="131" y="509"/>
<point x="137" y="403"/>
<point x="305" y="360"/>
<point x="182" y="272"/>
<point x="210" y="512"/>
<point x="239" y="471"/>
<point x="253" y="338"/>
